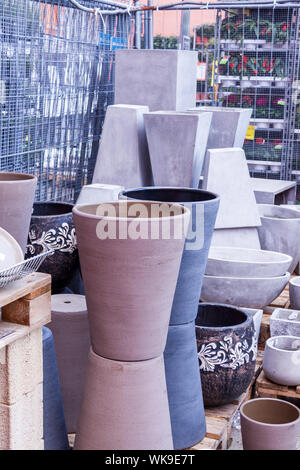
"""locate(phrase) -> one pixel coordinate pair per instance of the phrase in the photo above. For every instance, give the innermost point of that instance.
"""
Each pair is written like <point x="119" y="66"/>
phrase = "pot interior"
<point x="277" y="212"/>
<point x="132" y="210"/>
<point x="170" y="195"/>
<point x="45" y="209"/>
<point x="285" y="343"/>
<point x="219" y="316"/>
<point x="15" y="176"/>
<point x="270" y="411"/>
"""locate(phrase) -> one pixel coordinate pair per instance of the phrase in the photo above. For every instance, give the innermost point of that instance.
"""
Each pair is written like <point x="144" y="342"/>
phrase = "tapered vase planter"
<point x="227" y="350"/>
<point x="17" y="195"/>
<point x="130" y="281"/>
<point x="269" y="424"/>
<point x="52" y="228"/>
<point x="125" y="406"/>
<point x="282" y="360"/>
<point x="295" y="293"/>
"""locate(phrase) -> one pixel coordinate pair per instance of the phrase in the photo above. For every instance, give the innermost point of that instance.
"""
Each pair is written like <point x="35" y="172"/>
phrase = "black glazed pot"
<point x="52" y="227"/>
<point x="226" y="352"/>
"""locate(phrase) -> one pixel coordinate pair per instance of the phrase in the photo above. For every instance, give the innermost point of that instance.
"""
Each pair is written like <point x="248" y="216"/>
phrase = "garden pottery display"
<point x="269" y="424"/>
<point x="295" y="292"/>
<point x="70" y="330"/>
<point x="235" y="262"/>
<point x="227" y="351"/>
<point x="177" y="145"/>
<point x="184" y="386"/>
<point x="17" y="190"/>
<point x="243" y="292"/>
<point x="285" y="322"/>
<point x="282" y="360"/>
<point x="280" y="231"/>
<point x="10" y="251"/>
<point x="52" y="228"/>
<point x="130" y="281"/>
<point x="124" y="407"/>
<point x="55" y="432"/>
<point x="204" y="207"/>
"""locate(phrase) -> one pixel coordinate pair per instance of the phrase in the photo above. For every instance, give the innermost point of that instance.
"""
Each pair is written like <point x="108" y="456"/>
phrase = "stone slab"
<point x="226" y="173"/>
<point x="269" y="191"/>
<point x="123" y="157"/>
<point x="237" y="237"/>
<point x="160" y="79"/>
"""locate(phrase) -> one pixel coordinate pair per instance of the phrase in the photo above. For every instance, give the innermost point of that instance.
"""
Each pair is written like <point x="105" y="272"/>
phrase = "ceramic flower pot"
<point x="282" y="360"/>
<point x="226" y="350"/>
<point x="52" y="227"/>
<point x="284" y="322"/>
<point x="124" y="407"/>
<point x="295" y="293"/>
<point x="130" y="281"/>
<point x="269" y="424"/>
<point x="204" y="206"/>
<point x="280" y="231"/>
<point x="71" y="334"/>
<point x="184" y="386"/>
<point x="17" y="190"/>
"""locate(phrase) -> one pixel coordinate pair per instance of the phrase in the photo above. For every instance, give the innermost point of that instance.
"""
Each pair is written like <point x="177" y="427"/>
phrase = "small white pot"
<point x="246" y="83"/>
<point x="228" y="83"/>
<point x="282" y="360"/>
<point x="278" y="125"/>
<point x="295" y="293"/>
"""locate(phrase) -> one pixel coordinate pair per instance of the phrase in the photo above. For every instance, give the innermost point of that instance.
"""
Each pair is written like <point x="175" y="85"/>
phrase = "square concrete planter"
<point x="285" y="322"/>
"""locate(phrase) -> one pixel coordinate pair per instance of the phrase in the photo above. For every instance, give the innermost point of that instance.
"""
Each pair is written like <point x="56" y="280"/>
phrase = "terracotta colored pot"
<point x="52" y="227"/>
<point x="71" y="334"/>
<point x="129" y="283"/>
<point x="204" y="207"/>
<point x="125" y="406"/>
<point x="226" y="350"/>
<point x="269" y="424"/>
<point x="17" y="195"/>
<point x="184" y="386"/>
<point x="282" y="360"/>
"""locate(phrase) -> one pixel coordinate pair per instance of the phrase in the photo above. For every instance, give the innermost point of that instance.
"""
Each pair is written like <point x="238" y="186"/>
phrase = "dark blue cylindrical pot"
<point x="55" y="432"/>
<point x="184" y="386"/>
<point x="204" y="207"/>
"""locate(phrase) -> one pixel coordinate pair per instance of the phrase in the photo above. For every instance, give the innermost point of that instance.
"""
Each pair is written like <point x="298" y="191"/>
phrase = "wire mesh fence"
<point x="56" y="81"/>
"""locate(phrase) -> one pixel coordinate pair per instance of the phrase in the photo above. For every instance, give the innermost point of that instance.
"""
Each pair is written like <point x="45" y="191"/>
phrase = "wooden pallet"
<point x="264" y="388"/>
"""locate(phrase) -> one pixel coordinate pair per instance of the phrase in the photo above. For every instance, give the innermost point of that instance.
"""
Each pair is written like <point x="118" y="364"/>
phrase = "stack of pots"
<point x="180" y="356"/>
<point x="130" y="270"/>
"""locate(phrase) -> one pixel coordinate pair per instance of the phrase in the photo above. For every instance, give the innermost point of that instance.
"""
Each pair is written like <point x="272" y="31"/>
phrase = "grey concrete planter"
<point x="285" y="322"/>
<point x="295" y="292"/>
<point x="282" y="360"/>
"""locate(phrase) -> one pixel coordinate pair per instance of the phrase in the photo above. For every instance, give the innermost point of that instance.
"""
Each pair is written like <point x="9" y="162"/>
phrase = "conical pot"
<point x="184" y="386"/>
<point x="295" y="293"/>
<point x="204" y="206"/>
<point x="17" y="195"/>
<point x="52" y="227"/>
<point x="269" y="424"/>
<point x="130" y="281"/>
<point x="282" y="360"/>
<point x="125" y="406"/>
<point x="227" y="351"/>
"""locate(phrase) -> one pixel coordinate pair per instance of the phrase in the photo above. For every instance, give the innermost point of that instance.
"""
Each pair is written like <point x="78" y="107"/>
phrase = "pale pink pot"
<point x="17" y="192"/>
<point x="129" y="284"/>
<point x="125" y="406"/>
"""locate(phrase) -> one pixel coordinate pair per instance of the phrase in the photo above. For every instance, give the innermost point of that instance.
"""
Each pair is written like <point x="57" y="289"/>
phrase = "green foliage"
<point x="161" y="42"/>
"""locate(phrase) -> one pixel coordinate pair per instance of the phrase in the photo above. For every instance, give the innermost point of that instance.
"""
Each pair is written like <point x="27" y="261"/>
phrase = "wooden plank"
<point x="265" y="388"/>
<point x="206" y="444"/>
<point x="26" y="286"/>
<point x="29" y="312"/>
<point x="216" y="428"/>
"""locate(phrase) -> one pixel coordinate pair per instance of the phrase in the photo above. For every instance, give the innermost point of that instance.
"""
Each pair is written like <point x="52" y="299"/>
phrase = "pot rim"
<point x="22" y="177"/>
<point x="268" y="424"/>
<point x="52" y="203"/>
<point x="295" y="281"/>
<point x="239" y="278"/>
<point x="285" y="257"/>
<point x="77" y="211"/>
<point x="275" y="348"/>
<point x="215" y="197"/>
<point x="249" y="317"/>
<point x="262" y="216"/>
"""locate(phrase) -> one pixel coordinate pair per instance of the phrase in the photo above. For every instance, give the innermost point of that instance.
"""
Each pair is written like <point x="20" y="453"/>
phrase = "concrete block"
<point x="238" y="237"/>
<point x="99" y="193"/>
<point x="226" y="173"/>
<point x="21" y="424"/>
<point x="161" y="79"/>
<point x="21" y="367"/>
<point x="123" y="157"/>
<point x="278" y="192"/>
<point x="177" y="143"/>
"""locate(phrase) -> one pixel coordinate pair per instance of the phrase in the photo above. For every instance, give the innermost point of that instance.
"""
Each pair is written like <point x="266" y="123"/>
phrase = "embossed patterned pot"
<point x="226" y="350"/>
<point x="52" y="227"/>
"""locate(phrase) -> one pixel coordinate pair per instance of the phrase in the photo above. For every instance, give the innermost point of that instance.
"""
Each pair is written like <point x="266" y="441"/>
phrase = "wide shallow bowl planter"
<point x="295" y="292"/>
<point x="280" y="231"/>
<point x="282" y="360"/>
<point x="204" y="206"/>
<point x="17" y="195"/>
<point x="124" y="407"/>
<point x="243" y="292"/>
<point x="269" y="424"/>
<point x="243" y="262"/>
<point x="130" y="281"/>
<point x="227" y="350"/>
<point x="285" y="322"/>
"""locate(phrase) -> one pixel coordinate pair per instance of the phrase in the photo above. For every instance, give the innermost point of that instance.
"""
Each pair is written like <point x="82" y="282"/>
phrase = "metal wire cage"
<point x="56" y="81"/>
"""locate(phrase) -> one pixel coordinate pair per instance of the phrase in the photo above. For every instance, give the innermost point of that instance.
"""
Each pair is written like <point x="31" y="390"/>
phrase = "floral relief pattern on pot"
<point x="226" y="354"/>
<point x="62" y="239"/>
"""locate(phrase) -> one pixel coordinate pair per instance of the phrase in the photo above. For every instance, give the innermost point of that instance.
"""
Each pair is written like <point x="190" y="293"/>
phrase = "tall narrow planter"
<point x="17" y="195"/>
<point x="124" y="407"/>
<point x="129" y="281"/>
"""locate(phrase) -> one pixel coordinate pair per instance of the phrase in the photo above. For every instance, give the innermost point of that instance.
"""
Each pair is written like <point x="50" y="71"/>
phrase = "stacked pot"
<point x="130" y="270"/>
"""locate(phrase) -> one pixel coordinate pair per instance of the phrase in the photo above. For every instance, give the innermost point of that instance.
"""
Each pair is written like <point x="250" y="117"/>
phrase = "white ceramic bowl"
<point x="282" y="360"/>
<point x="243" y="262"/>
<point x="243" y="292"/>
<point x="10" y="251"/>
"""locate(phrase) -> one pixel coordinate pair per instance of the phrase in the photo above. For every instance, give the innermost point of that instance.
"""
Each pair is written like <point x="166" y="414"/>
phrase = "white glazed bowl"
<point x="282" y="360"/>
